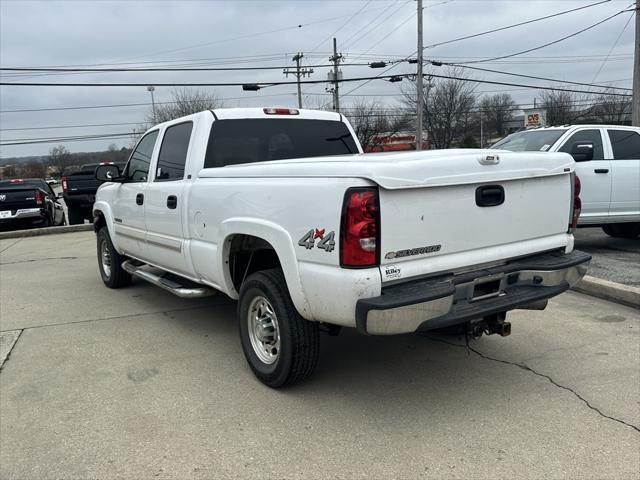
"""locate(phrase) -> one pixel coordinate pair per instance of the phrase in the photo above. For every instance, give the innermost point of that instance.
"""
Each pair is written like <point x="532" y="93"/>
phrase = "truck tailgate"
<point x="443" y="227"/>
<point x="16" y="198"/>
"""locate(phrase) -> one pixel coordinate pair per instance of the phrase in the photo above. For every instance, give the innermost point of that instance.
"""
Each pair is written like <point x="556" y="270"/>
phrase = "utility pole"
<point x="419" y="86"/>
<point x="150" y="89"/>
<point x="299" y="73"/>
<point x="635" y="104"/>
<point x="336" y="76"/>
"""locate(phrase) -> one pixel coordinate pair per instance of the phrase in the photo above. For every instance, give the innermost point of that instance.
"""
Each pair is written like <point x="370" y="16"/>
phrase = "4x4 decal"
<point x="326" y="243"/>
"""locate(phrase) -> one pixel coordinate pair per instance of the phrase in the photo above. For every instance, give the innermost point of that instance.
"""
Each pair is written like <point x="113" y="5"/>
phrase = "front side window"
<point x="138" y="167"/>
<point x="173" y="152"/>
<point x="585" y="136"/>
<point x="625" y="144"/>
<point x="233" y="142"/>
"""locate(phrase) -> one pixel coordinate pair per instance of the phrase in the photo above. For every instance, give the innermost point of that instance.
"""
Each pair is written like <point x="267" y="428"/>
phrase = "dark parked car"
<point x="79" y="192"/>
<point x="28" y="202"/>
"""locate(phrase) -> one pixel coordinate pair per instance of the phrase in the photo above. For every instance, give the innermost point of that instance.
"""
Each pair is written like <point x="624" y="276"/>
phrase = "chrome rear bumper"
<point x="448" y="300"/>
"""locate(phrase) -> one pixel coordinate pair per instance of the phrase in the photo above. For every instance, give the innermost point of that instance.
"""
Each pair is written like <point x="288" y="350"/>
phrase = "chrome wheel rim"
<point x="264" y="332"/>
<point x="105" y="258"/>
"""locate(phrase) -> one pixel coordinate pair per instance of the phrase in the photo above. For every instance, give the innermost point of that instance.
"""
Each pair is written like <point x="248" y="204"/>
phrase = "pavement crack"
<point x="39" y="260"/>
<point x="5" y="351"/>
<point x="527" y="368"/>
<point x="7" y="248"/>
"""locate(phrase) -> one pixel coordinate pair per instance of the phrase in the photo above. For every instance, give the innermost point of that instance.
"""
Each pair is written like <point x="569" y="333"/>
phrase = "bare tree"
<point x="497" y="110"/>
<point x="611" y="109"/>
<point x="447" y="103"/>
<point x="34" y="169"/>
<point x="59" y="159"/>
<point x="370" y="120"/>
<point x="185" y="102"/>
<point x="561" y="107"/>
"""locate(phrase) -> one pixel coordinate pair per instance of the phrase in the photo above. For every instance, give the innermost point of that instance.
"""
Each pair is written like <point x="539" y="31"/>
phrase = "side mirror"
<point x="582" y="152"/>
<point x="108" y="173"/>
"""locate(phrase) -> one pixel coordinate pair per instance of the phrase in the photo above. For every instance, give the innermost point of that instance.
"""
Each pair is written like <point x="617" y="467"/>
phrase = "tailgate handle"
<point x="489" y="195"/>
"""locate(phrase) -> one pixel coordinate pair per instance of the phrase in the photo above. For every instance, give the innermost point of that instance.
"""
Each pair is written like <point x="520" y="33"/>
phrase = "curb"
<point x="612" y="291"/>
<point x="35" y="232"/>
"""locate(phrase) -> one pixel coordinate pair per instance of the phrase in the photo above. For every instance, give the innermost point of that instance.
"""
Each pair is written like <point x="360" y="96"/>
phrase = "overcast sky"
<point x="217" y="33"/>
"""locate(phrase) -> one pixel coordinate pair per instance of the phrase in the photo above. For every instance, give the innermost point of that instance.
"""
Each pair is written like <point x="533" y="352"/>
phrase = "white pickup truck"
<point x="608" y="164"/>
<point x="280" y="209"/>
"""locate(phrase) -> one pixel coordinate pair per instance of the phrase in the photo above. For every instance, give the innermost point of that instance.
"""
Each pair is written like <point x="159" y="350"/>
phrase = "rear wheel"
<point x="76" y="217"/>
<point x="622" y="230"/>
<point x="110" y="262"/>
<point x="282" y="348"/>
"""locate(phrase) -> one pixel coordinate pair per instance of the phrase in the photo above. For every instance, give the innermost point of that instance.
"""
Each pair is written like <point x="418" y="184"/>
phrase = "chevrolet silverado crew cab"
<point x="280" y="209"/>
<point x="607" y="163"/>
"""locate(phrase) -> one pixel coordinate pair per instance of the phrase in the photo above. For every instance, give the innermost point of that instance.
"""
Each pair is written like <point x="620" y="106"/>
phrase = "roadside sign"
<point x="534" y="117"/>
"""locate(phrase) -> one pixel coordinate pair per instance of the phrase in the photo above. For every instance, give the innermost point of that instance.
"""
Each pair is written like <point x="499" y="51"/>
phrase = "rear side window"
<point x="138" y="167"/>
<point x="173" y="152"/>
<point x="625" y="144"/>
<point x="584" y="136"/>
<point x="233" y="142"/>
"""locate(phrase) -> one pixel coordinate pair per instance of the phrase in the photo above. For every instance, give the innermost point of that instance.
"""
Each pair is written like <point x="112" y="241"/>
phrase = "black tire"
<point x="622" y="230"/>
<point x="76" y="217"/>
<point x="116" y="277"/>
<point x="299" y="339"/>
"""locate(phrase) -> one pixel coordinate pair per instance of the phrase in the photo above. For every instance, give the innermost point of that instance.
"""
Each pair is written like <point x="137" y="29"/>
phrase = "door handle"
<point x="172" y="202"/>
<point x="140" y="199"/>
<point x="601" y="170"/>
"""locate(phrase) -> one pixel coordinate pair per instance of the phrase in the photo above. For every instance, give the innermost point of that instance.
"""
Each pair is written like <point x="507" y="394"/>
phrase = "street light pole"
<point x="419" y="86"/>
<point x="150" y="89"/>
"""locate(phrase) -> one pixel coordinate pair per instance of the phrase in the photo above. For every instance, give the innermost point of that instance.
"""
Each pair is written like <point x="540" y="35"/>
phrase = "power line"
<point x="65" y="139"/>
<point x="549" y="43"/>
<point x="341" y="26"/>
<point x="55" y="127"/>
<point x="466" y="37"/>
<point x="146" y="104"/>
<point x="612" y="47"/>
<point x="528" y="76"/>
<point x="164" y="69"/>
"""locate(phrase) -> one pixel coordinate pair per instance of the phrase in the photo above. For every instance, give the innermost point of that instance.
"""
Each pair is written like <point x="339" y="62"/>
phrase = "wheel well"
<point x="98" y="221"/>
<point x="249" y="254"/>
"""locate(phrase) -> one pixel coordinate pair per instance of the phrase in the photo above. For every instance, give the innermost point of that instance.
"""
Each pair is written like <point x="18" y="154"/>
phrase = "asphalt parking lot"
<point x="136" y="383"/>
<point x="614" y="259"/>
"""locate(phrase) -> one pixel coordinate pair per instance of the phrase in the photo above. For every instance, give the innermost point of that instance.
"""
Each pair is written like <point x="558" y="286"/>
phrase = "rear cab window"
<point x="625" y="144"/>
<point x="238" y="141"/>
<point x="173" y="152"/>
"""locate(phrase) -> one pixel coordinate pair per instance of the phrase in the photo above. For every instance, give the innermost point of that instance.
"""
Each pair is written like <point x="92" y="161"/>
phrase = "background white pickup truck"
<point x="279" y="209"/>
<point x="608" y="164"/>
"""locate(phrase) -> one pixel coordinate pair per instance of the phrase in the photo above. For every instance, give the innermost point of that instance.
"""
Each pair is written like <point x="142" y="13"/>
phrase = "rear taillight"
<point x="64" y="184"/>
<point x="360" y="229"/>
<point x="576" y="204"/>
<point x="39" y="197"/>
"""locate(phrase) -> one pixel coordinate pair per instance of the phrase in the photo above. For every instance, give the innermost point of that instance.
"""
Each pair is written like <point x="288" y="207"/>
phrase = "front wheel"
<point x="110" y="262"/>
<point x="282" y="348"/>
<point x="622" y="230"/>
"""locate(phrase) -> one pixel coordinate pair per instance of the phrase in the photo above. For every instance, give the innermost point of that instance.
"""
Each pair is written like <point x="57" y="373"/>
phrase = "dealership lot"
<point x="137" y="383"/>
